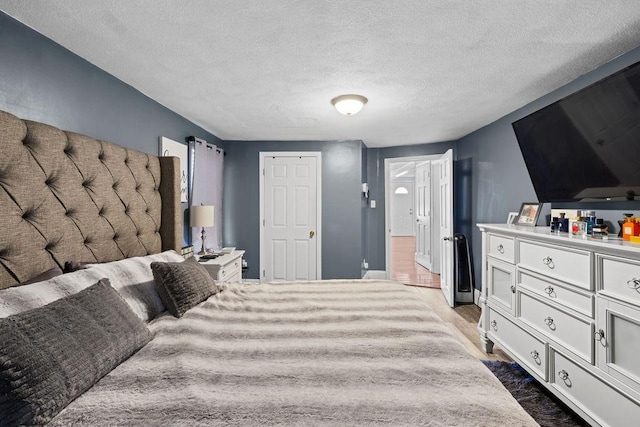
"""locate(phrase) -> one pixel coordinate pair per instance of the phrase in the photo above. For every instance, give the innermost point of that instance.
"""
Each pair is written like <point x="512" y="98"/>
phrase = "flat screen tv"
<point x="586" y="146"/>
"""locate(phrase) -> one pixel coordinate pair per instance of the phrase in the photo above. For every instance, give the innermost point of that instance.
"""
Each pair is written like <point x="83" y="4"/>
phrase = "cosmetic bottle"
<point x="563" y="223"/>
<point x="630" y="228"/>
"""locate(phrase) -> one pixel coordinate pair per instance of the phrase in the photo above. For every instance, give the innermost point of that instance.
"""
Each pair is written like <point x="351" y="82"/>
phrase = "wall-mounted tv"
<point x="587" y="145"/>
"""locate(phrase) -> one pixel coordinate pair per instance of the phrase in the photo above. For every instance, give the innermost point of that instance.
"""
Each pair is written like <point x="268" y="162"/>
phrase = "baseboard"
<point x="476" y="297"/>
<point x="375" y="274"/>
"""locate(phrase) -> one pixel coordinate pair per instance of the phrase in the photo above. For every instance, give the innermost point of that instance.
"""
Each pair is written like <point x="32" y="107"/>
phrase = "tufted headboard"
<point x="68" y="197"/>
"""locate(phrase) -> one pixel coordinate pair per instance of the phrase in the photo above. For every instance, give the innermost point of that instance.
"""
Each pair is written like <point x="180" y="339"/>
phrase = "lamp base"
<point x="203" y="251"/>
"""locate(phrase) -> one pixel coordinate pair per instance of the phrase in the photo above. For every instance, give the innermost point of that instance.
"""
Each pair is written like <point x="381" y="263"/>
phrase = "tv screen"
<point x="587" y="145"/>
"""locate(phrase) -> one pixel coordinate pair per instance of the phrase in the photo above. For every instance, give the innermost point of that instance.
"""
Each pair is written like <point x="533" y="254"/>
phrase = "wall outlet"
<point x="365" y="264"/>
<point x="373" y="204"/>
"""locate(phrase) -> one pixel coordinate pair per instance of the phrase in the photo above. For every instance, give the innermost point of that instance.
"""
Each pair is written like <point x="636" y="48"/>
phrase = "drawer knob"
<point x="549" y="290"/>
<point x="494" y="325"/>
<point x="599" y="335"/>
<point x="500" y="249"/>
<point x="564" y="375"/>
<point x="634" y="283"/>
<point x="548" y="261"/>
<point x="535" y="355"/>
<point x="513" y="289"/>
<point x="549" y="322"/>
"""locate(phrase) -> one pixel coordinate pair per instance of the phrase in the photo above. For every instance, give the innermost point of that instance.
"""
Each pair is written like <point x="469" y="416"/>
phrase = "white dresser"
<point x="226" y="268"/>
<point x="568" y="310"/>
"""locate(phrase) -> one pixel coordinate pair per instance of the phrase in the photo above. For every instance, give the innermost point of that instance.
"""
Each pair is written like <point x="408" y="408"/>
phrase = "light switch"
<point x="373" y="204"/>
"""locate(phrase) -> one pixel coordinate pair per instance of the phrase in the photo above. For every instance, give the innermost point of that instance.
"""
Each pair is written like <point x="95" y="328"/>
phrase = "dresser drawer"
<point x="529" y="349"/>
<point x="606" y="405"/>
<point x="502" y="247"/>
<point x="569" y="330"/>
<point x="620" y="278"/>
<point x="231" y="272"/>
<point x="562" y="263"/>
<point x="581" y="302"/>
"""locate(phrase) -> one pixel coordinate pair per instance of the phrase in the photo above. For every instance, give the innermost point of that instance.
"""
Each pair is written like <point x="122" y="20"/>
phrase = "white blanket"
<point x="315" y="353"/>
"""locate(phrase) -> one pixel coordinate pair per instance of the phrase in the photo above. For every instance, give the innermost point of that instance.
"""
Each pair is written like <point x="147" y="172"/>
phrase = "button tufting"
<point x="68" y="150"/>
<point x="50" y="245"/>
<point x="27" y="214"/>
<point x="102" y="211"/>
<point x="87" y="240"/>
<point x="115" y="236"/>
<point x="50" y="181"/>
<point x="101" y="156"/>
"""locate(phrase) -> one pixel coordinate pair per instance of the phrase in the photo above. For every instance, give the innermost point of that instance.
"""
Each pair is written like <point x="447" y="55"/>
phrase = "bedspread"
<point x="306" y="353"/>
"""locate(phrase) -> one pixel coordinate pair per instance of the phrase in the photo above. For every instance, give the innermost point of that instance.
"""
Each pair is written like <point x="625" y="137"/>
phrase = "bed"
<point x="345" y="352"/>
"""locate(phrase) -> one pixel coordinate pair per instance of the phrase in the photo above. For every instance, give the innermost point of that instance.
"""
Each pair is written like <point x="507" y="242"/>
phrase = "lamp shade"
<point x="202" y="216"/>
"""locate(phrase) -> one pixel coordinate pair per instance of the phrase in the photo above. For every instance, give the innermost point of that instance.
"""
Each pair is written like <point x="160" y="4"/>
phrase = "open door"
<point x="446" y="226"/>
<point x="423" y="214"/>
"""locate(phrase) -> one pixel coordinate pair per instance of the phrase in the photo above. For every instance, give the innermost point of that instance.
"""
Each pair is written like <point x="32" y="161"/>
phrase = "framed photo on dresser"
<point x="528" y="214"/>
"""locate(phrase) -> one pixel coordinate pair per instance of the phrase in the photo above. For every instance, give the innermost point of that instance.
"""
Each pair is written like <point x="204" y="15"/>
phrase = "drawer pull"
<point x="513" y="289"/>
<point x="494" y="325"/>
<point x="548" y="261"/>
<point x="535" y="355"/>
<point x="549" y="290"/>
<point x="634" y="283"/>
<point x="599" y="335"/>
<point x="500" y="249"/>
<point x="549" y="322"/>
<point x="564" y="376"/>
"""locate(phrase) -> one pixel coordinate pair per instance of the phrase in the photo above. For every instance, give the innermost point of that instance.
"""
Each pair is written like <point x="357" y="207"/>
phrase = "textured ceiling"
<point x="433" y="70"/>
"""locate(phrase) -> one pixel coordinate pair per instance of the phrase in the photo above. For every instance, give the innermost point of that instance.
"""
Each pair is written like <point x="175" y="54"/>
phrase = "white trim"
<point x="318" y="235"/>
<point x="387" y="200"/>
<point x="375" y="275"/>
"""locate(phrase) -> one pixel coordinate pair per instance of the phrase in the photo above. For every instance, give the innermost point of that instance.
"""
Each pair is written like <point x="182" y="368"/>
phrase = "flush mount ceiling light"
<point x="349" y="104"/>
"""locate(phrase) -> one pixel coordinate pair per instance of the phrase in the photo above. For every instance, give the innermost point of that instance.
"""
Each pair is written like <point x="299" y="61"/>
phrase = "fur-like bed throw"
<point x="314" y="353"/>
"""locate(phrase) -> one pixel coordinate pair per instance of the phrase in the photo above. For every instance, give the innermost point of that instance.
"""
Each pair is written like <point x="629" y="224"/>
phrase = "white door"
<point x="423" y="214"/>
<point x="402" y="221"/>
<point x="446" y="226"/>
<point x="290" y="245"/>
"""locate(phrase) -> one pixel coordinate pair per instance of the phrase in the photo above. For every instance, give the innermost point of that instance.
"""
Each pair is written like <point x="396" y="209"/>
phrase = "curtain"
<point x="207" y="163"/>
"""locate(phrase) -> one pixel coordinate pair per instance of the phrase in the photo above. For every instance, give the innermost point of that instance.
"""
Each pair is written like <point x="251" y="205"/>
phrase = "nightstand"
<point x="226" y="268"/>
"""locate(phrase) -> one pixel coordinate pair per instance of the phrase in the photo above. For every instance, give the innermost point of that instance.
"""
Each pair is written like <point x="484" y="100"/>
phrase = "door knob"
<point x="311" y="234"/>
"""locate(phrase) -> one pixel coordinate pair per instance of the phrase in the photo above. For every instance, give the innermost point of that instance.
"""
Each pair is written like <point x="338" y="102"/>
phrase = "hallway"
<point x="404" y="269"/>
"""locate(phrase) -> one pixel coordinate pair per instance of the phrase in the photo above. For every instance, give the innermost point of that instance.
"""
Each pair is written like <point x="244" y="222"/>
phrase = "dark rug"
<point x="543" y="406"/>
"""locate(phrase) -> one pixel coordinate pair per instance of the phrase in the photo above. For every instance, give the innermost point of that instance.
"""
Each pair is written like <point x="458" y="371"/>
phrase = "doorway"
<point x="290" y="216"/>
<point x="411" y="240"/>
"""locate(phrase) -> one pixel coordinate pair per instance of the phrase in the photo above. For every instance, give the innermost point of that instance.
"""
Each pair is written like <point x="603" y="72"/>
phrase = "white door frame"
<point x="318" y="235"/>
<point x="388" y="197"/>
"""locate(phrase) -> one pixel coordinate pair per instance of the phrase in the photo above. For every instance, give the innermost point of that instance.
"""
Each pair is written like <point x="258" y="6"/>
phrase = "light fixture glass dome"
<point x="349" y="104"/>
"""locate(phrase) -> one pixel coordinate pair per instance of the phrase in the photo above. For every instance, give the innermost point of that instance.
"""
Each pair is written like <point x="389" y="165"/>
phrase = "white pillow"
<point x="132" y="278"/>
<point x="21" y="298"/>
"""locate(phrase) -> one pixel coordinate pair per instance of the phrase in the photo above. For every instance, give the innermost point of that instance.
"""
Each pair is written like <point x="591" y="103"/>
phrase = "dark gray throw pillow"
<point x="182" y="285"/>
<point x="52" y="354"/>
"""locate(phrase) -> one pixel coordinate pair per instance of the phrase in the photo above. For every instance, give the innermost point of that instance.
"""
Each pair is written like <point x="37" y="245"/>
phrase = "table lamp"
<point x="202" y="216"/>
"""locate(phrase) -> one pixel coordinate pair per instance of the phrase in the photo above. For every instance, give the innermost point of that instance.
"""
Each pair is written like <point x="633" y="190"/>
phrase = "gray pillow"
<point x="52" y="354"/>
<point x="182" y="285"/>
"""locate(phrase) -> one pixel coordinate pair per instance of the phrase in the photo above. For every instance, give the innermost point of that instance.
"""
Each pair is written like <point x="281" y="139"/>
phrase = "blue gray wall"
<point x="341" y="202"/>
<point x="495" y="177"/>
<point x="375" y="243"/>
<point x="42" y="81"/>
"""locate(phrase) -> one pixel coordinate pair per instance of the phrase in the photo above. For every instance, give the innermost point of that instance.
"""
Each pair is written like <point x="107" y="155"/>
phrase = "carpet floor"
<point x="545" y="408"/>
